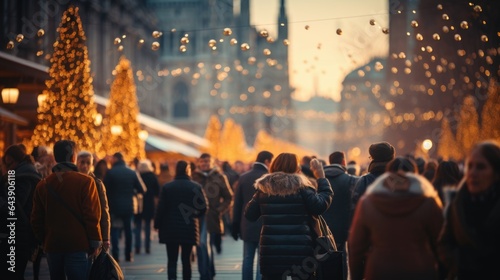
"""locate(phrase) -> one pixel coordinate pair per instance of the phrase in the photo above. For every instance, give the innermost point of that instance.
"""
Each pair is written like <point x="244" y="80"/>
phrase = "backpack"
<point x="105" y="267"/>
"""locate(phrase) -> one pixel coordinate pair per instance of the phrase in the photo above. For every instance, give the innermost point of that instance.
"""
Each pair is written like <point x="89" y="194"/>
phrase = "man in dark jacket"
<point x="338" y="215"/>
<point x="249" y="231"/>
<point x="380" y="153"/>
<point x="122" y="183"/>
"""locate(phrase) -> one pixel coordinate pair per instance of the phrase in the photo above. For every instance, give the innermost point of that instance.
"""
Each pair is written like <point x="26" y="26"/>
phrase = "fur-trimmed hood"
<point x="399" y="194"/>
<point x="282" y="184"/>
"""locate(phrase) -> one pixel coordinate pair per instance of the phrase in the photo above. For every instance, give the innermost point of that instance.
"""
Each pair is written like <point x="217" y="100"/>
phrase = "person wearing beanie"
<point x="380" y="154"/>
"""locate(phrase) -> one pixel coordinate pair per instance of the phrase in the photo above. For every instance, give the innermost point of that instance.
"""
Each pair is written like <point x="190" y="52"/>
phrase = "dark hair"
<point x="97" y="170"/>
<point x="336" y="157"/>
<point x="401" y="164"/>
<point x="17" y="153"/>
<point x="420" y="161"/>
<point x="64" y="150"/>
<point x="226" y="166"/>
<point x="264" y="155"/>
<point x="118" y="156"/>
<point x="447" y="173"/>
<point x="180" y="168"/>
<point x="164" y="167"/>
<point x="306" y="160"/>
<point x="205" y="155"/>
<point x="491" y="151"/>
<point x="34" y="153"/>
<point x="285" y="162"/>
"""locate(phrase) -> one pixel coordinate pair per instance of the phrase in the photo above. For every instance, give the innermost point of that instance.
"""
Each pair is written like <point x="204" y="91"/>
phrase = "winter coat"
<point x="394" y="232"/>
<point x="469" y="243"/>
<point x="338" y="215"/>
<point x="182" y="201"/>
<point x="153" y="191"/>
<point x="219" y="194"/>
<point x="286" y="204"/>
<point x="122" y="184"/>
<point x="375" y="170"/>
<point x="250" y="231"/>
<point x="57" y="226"/>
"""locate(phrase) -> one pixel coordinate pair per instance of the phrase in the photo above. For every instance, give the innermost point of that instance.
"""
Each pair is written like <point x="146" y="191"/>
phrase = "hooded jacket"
<point x="286" y="204"/>
<point x="338" y="215"/>
<point x="395" y="229"/>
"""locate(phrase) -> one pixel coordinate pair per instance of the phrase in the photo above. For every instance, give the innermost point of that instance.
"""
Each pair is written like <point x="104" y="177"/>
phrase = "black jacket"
<point x="287" y="203"/>
<point x="182" y="201"/>
<point x="153" y="190"/>
<point x="338" y="215"/>
<point x="376" y="169"/>
<point x="250" y="231"/>
<point x="122" y="183"/>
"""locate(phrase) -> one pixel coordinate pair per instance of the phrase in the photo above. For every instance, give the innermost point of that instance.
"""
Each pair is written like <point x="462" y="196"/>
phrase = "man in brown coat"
<point x="66" y="215"/>
<point x="219" y="195"/>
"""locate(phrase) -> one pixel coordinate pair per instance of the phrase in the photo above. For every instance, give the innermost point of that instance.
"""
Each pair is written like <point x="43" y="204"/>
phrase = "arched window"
<point x="181" y="100"/>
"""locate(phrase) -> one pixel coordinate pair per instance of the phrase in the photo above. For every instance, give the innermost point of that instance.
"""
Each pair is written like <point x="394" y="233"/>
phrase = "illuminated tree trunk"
<point x="447" y="147"/>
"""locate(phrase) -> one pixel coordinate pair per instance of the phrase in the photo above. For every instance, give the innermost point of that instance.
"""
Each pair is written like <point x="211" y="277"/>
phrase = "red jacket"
<point x="54" y="224"/>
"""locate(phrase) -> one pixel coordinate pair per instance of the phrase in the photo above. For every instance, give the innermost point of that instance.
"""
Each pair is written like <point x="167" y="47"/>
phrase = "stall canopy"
<point x="169" y="145"/>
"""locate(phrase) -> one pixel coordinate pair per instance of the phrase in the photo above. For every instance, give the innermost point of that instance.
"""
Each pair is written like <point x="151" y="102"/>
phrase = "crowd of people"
<point x="403" y="217"/>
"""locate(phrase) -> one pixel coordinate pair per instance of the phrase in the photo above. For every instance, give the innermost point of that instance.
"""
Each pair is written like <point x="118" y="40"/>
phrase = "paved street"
<point x="153" y="266"/>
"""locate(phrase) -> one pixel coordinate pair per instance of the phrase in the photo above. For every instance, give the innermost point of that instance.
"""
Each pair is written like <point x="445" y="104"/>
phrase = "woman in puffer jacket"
<point x="287" y="202"/>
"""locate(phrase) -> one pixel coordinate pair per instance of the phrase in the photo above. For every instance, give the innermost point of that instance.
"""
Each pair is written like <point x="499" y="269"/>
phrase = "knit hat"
<point x="381" y="152"/>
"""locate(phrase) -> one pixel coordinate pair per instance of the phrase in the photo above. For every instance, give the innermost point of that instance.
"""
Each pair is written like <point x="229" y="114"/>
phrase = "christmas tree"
<point x="447" y="146"/>
<point x="468" y="126"/>
<point x="213" y="134"/>
<point x="69" y="110"/>
<point x="121" y="128"/>
<point x="233" y="139"/>
<point x="490" y="117"/>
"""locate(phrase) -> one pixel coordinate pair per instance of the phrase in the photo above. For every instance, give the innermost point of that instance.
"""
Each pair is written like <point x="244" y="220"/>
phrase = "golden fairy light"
<point x="227" y="31"/>
<point x="10" y="45"/>
<point x="478" y="9"/>
<point x="212" y="43"/>
<point x="457" y="37"/>
<point x="385" y="30"/>
<point x="419" y="37"/>
<point x="233" y="41"/>
<point x="19" y="38"/>
<point x="464" y="25"/>
<point x="439" y="7"/>
<point x="40" y="32"/>
<point x="270" y="39"/>
<point x="446" y="29"/>
<point x="184" y="40"/>
<point x="266" y="52"/>
<point x="436" y="37"/>
<point x="286" y="42"/>
<point x="117" y="41"/>
<point x="120" y="48"/>
<point x="245" y="47"/>
<point x="156" y="34"/>
<point x="414" y="24"/>
<point x="307" y="27"/>
<point x="484" y="38"/>
<point x="372" y="22"/>
<point x="445" y="17"/>
<point x="264" y="33"/>
<point x="339" y="31"/>
<point x="182" y="48"/>
<point x="155" y="46"/>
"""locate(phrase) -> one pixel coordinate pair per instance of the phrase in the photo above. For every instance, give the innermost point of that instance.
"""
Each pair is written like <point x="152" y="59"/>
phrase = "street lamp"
<point x="427" y="145"/>
<point x="10" y="95"/>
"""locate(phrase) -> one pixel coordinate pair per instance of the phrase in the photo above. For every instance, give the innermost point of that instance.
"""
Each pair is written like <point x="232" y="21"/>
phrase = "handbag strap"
<point x="325" y="230"/>
<point x="59" y="198"/>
